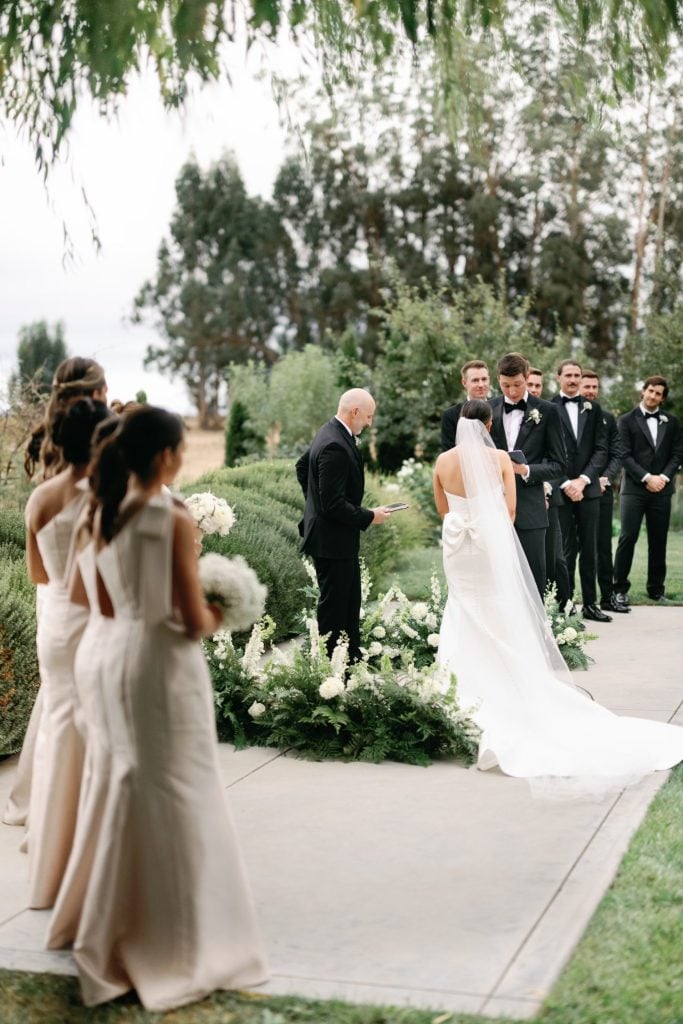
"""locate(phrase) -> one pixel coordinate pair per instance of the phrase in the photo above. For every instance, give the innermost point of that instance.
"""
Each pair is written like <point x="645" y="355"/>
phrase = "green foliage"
<point x="284" y="703"/>
<point x="12" y="528"/>
<point x="303" y="394"/>
<point x="19" y="677"/>
<point x="240" y="439"/>
<point x="141" y="397"/>
<point x="39" y="353"/>
<point x="569" y="632"/>
<point x="654" y="350"/>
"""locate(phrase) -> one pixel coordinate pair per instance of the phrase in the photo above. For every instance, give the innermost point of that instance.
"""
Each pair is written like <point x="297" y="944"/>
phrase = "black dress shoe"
<point x="622" y="599"/>
<point x="591" y="611"/>
<point x="612" y="605"/>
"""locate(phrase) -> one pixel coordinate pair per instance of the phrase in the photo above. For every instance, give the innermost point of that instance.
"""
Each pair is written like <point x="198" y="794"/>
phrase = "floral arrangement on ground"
<point x="396" y="703"/>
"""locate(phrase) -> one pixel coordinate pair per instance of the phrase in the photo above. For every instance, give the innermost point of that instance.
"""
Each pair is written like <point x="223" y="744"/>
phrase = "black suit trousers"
<point x="533" y="546"/>
<point x="556" y="565"/>
<point x="656" y="509"/>
<point x="605" y="563"/>
<point x="579" y="524"/>
<point x="340" y="600"/>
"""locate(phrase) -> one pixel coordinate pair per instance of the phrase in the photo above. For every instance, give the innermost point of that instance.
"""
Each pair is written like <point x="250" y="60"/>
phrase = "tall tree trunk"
<point x="642" y="228"/>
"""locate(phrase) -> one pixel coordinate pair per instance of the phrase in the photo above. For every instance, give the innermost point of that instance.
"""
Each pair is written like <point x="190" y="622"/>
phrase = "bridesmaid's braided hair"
<point x="141" y="435"/>
<point x="74" y="378"/>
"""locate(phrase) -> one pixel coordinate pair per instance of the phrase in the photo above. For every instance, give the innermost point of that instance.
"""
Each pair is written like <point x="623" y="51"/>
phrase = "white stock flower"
<point x="375" y="649"/>
<point x="340" y="657"/>
<point x="420" y="611"/>
<point x="568" y="607"/>
<point x="310" y="571"/>
<point x="409" y="631"/>
<point x="256" y="709"/>
<point x="253" y="652"/>
<point x="234" y="586"/>
<point x="331" y="687"/>
<point x="433" y="639"/>
<point x="380" y="632"/>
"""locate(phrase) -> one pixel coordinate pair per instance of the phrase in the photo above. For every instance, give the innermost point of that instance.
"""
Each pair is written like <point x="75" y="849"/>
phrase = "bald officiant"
<point x="332" y="479"/>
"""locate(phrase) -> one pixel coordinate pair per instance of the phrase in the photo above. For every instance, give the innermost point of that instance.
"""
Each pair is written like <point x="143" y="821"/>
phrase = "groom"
<point x="332" y="479"/>
<point x="531" y="426"/>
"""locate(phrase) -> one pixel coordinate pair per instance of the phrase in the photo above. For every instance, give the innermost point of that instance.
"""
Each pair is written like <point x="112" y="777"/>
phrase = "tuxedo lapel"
<point x="581" y="423"/>
<point x="525" y="426"/>
<point x="642" y="423"/>
<point x="661" y="431"/>
<point x="566" y="422"/>
<point x="497" y="428"/>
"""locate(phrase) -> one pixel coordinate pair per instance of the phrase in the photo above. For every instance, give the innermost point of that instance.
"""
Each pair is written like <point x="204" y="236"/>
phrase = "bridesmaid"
<point x="51" y="515"/>
<point x="74" y="378"/>
<point x="155" y="896"/>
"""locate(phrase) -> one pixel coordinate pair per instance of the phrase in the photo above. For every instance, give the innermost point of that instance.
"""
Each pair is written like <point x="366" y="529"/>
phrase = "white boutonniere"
<point x="587" y="406"/>
<point x="663" y="419"/>
<point x="356" y="438"/>
<point x="534" y="416"/>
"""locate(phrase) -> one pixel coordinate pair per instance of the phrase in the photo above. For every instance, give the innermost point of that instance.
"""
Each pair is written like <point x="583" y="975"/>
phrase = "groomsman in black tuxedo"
<point x="590" y="389"/>
<point x="555" y="564"/>
<point x="474" y="377"/>
<point x="585" y="439"/>
<point x="653" y="453"/>
<point x="332" y="478"/>
<point x="531" y="426"/>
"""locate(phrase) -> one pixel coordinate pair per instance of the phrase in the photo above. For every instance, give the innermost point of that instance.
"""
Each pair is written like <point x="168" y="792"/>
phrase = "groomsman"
<point x="585" y="439"/>
<point x="474" y="377"/>
<point x="555" y="564"/>
<point x="332" y="478"/>
<point x="653" y="452"/>
<point x="531" y="426"/>
<point x="590" y="388"/>
<point x="534" y="382"/>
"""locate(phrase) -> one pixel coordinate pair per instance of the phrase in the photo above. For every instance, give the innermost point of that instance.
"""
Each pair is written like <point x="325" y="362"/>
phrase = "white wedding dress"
<point x="496" y="638"/>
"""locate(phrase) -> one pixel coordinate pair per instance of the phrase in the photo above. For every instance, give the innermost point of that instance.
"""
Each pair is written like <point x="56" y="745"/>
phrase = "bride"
<point x="496" y="638"/>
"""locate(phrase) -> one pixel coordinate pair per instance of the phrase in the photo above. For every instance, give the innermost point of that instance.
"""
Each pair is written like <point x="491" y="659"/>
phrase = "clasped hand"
<point x="574" y="489"/>
<point x="655" y="483"/>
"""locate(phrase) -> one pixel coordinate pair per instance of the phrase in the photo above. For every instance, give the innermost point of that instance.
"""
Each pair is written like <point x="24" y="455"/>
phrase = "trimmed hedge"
<point x="19" y="677"/>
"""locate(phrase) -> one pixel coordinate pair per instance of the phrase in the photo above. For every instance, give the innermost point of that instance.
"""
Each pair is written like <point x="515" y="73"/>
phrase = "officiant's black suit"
<point x="544" y="451"/>
<point x="587" y="455"/>
<point x="641" y="456"/>
<point x="332" y="479"/>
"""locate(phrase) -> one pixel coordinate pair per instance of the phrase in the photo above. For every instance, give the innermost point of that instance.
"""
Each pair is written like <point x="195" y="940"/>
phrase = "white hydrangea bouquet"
<point x="210" y="514"/>
<point x="234" y="586"/>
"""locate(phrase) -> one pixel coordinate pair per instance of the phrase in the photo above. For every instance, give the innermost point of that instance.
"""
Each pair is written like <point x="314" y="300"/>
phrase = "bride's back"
<point x="448" y="469"/>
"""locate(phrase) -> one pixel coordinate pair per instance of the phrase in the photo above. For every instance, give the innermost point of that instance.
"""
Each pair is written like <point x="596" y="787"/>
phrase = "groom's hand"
<point x="380" y="514"/>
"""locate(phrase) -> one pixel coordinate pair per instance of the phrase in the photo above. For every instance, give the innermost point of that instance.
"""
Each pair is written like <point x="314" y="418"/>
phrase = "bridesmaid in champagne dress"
<point x="74" y="378"/>
<point x="155" y="897"/>
<point x="52" y="512"/>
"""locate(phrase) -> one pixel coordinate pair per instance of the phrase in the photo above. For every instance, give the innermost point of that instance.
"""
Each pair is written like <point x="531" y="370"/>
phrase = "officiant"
<point x="332" y="478"/>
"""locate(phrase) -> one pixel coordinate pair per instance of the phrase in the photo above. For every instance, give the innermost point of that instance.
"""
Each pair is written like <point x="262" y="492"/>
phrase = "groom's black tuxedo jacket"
<point x="643" y="456"/>
<point x="544" y="450"/>
<point x="587" y="453"/>
<point x="332" y="479"/>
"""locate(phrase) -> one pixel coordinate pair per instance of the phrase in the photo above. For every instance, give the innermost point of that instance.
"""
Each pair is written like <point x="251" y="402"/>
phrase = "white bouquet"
<point x="234" y="586"/>
<point x="209" y="513"/>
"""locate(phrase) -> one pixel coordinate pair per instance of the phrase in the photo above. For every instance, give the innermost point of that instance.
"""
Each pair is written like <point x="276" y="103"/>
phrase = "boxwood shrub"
<point x="19" y="678"/>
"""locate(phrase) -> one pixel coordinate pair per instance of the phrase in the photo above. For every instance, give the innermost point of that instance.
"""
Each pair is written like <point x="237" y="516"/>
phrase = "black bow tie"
<point x="518" y="407"/>
<point x="565" y="399"/>
<point x="651" y="415"/>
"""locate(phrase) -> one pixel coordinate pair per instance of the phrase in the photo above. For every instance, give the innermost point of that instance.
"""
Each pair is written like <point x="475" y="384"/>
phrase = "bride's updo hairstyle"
<point x="142" y="435"/>
<point x="477" y="409"/>
<point x="74" y="378"/>
<point x="74" y="427"/>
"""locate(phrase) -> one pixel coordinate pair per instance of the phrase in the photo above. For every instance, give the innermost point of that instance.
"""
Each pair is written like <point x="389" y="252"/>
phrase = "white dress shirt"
<point x="512" y="424"/>
<point x="653" y="426"/>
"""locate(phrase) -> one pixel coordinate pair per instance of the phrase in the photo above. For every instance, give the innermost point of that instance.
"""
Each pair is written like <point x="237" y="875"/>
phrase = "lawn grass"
<point x="626" y="970"/>
<point x="414" y="569"/>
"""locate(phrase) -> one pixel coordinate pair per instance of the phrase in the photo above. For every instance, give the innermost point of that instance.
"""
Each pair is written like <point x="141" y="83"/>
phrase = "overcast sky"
<point x="127" y="167"/>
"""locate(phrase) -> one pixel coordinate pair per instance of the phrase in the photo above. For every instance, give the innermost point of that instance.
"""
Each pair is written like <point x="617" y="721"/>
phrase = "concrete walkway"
<point x="439" y="887"/>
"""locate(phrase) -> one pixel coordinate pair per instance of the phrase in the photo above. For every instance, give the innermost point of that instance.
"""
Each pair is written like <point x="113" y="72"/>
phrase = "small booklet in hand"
<point x="517" y="455"/>
<point x="396" y="507"/>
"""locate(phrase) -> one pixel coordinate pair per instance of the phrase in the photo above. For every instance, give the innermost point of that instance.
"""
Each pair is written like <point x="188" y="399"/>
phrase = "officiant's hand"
<point x="380" y="514"/>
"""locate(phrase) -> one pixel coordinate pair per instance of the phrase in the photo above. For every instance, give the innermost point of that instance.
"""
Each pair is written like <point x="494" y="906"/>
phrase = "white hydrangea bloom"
<point x="420" y="611"/>
<point x="375" y="649"/>
<point x="256" y="709"/>
<point x="380" y="632"/>
<point x="210" y="514"/>
<point x="234" y="586"/>
<point x="331" y="687"/>
<point x="433" y="639"/>
<point x="570" y="634"/>
<point x="431" y="621"/>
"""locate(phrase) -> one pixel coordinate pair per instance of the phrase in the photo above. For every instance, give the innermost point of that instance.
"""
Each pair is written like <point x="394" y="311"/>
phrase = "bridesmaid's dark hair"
<point x="73" y="429"/>
<point x="477" y="409"/>
<point x="74" y="378"/>
<point x="142" y="434"/>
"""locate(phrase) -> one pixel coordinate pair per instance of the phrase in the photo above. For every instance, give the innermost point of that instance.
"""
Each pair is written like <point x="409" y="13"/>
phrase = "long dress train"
<point x="495" y="638"/>
<point x="165" y="907"/>
<point x="58" y="753"/>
